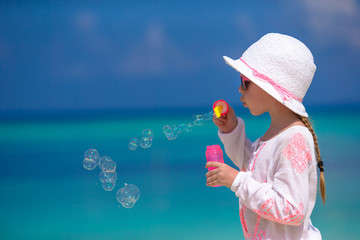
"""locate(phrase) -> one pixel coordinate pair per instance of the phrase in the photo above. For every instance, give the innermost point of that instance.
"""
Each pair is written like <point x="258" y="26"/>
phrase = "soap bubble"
<point x="175" y="130"/>
<point x="170" y="132"/>
<point x="181" y="127"/>
<point x="107" y="186"/>
<point x="107" y="165"/>
<point x="89" y="165"/>
<point x="167" y="130"/>
<point x="109" y="177"/>
<point x="208" y="116"/>
<point x="198" y="120"/>
<point x="188" y="127"/>
<point x="128" y="195"/>
<point x="91" y="159"/>
<point x="147" y="133"/>
<point x="145" y="142"/>
<point x="134" y="143"/>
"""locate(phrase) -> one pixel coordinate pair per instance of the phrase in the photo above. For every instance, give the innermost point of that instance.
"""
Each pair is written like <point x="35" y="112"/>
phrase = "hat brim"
<point x="293" y="104"/>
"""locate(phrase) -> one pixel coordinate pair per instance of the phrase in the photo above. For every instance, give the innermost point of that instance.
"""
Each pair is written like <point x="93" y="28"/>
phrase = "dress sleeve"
<point x="285" y="200"/>
<point x="237" y="145"/>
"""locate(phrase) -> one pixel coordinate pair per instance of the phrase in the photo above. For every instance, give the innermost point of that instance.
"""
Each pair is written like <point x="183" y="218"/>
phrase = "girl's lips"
<point x="242" y="100"/>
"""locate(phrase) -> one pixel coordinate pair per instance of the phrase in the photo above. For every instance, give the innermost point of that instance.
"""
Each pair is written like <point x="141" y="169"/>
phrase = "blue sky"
<point x="87" y="55"/>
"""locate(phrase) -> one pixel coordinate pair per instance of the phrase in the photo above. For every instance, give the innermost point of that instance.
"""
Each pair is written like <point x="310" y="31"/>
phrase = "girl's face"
<point x="254" y="98"/>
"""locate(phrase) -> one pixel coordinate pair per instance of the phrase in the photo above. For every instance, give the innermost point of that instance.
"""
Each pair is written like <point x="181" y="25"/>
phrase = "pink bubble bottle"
<point x="214" y="154"/>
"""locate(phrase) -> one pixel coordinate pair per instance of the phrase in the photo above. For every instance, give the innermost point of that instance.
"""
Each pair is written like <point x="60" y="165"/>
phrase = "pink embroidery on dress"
<point x="298" y="152"/>
<point x="287" y="208"/>
<point x="258" y="234"/>
<point x="256" y="156"/>
<point x="268" y="203"/>
<point x="243" y="223"/>
<point x="288" y="218"/>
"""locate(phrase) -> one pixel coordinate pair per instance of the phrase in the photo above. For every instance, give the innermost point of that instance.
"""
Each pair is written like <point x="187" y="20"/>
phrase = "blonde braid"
<point x="318" y="157"/>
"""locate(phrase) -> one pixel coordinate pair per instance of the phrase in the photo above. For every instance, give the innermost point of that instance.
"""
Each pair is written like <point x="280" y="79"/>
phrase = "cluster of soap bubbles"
<point x="145" y="142"/>
<point x="108" y="174"/>
<point x="127" y="195"/>
<point x="172" y="131"/>
<point x="130" y="193"/>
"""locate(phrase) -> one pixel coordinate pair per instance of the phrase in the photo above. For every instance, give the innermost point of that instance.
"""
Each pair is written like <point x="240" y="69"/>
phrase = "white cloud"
<point x="90" y="48"/>
<point x="334" y="20"/>
<point x="154" y="54"/>
<point x="247" y="26"/>
<point x="86" y="20"/>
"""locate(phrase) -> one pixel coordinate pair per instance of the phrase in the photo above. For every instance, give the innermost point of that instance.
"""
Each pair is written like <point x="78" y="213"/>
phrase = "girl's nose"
<point x="241" y="90"/>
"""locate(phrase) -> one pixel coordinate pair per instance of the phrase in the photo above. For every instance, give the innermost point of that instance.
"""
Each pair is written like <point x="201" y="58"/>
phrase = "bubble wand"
<point x="220" y="108"/>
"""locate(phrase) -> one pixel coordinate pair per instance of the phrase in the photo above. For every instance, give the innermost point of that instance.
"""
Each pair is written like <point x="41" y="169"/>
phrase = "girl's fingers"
<point x="223" y="118"/>
<point x="218" y="122"/>
<point x="211" y="182"/>
<point x="211" y="173"/>
<point x="213" y="164"/>
<point x="211" y="179"/>
<point x="220" y="119"/>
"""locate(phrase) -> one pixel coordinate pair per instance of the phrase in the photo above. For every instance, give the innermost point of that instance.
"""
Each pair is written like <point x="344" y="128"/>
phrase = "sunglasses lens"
<point x="244" y="82"/>
<point x="243" y="86"/>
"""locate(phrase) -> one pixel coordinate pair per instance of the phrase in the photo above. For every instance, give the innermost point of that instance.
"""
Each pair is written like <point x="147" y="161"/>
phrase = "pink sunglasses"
<point x="244" y="82"/>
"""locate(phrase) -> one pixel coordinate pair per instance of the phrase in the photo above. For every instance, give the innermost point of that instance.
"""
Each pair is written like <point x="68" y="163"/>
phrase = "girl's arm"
<point x="237" y="145"/>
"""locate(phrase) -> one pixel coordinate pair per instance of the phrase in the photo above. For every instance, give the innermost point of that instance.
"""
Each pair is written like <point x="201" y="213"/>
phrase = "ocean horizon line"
<point x="79" y="114"/>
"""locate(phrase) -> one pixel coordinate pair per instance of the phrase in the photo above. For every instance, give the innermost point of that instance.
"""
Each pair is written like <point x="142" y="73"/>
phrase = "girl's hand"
<point x="222" y="175"/>
<point x="226" y="123"/>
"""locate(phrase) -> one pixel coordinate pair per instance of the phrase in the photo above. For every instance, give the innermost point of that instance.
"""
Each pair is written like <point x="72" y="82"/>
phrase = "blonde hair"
<point x="320" y="164"/>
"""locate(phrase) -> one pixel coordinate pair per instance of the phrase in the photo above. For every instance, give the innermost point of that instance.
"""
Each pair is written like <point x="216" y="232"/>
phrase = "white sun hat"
<point x="281" y="65"/>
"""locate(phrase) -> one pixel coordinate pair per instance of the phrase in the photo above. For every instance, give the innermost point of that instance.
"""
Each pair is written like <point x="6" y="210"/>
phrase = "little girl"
<point x="277" y="183"/>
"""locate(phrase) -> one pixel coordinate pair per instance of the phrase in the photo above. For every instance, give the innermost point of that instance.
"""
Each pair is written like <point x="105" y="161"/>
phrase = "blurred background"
<point x="76" y="75"/>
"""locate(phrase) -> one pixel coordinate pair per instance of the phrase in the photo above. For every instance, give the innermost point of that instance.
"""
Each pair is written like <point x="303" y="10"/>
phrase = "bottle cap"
<point x="213" y="148"/>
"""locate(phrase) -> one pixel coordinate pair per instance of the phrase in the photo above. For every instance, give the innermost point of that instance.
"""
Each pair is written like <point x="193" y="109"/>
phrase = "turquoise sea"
<point x="47" y="194"/>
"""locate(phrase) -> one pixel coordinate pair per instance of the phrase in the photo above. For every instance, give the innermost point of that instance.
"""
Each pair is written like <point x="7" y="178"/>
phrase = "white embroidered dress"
<point x="277" y="184"/>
